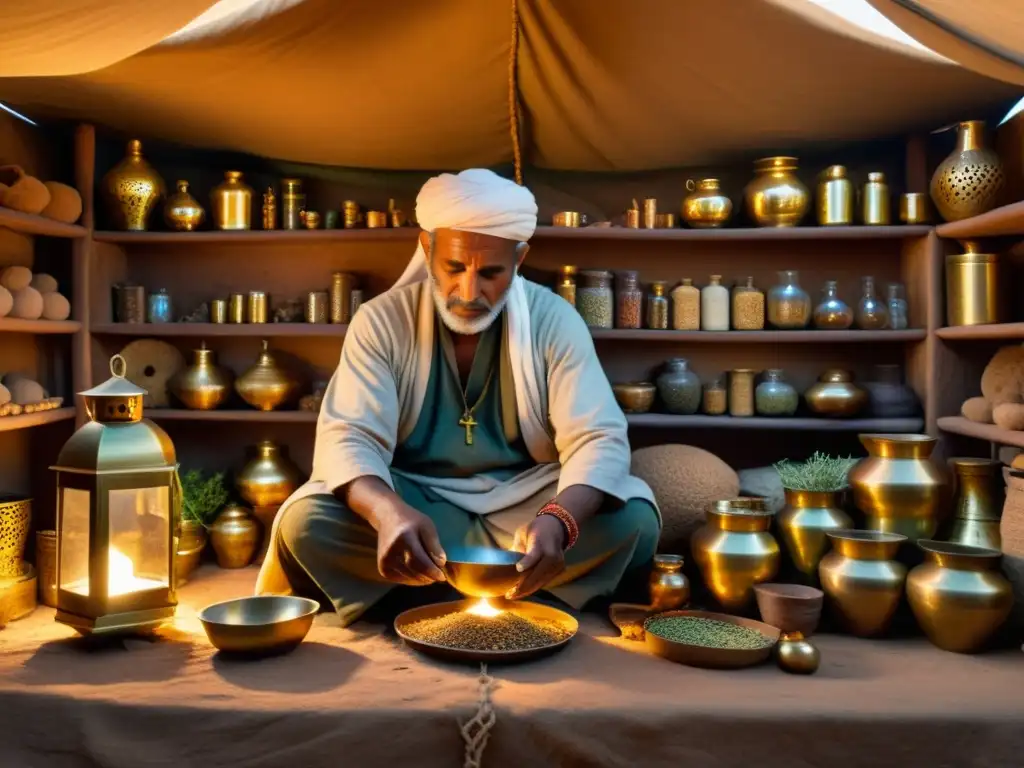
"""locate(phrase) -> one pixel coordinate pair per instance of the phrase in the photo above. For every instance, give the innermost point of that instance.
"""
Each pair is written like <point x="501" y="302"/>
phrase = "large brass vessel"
<point x="969" y="180"/>
<point x="803" y="524"/>
<point x="706" y="206"/>
<point x="132" y="189"/>
<point x="203" y="385"/>
<point x="958" y="595"/>
<point x="835" y="395"/>
<point x="269" y="477"/>
<point x="977" y="503"/>
<point x="734" y="550"/>
<point x="898" y="487"/>
<point x="235" y="536"/>
<point x="862" y="580"/>
<point x="776" y="197"/>
<point x="267" y="385"/>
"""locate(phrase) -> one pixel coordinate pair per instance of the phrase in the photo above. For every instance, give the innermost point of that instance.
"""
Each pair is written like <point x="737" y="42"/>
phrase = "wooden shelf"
<point x="762" y="337"/>
<point x="26" y="420"/>
<point x="222" y="330"/>
<point x="958" y="425"/>
<point x="995" y="331"/>
<point x="258" y="236"/>
<point x="28" y="224"/>
<point x="1007" y="220"/>
<point x="262" y="417"/>
<point x="15" y="325"/>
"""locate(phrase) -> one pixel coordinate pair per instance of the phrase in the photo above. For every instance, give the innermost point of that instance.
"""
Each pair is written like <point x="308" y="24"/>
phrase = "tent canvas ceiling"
<point x="602" y="85"/>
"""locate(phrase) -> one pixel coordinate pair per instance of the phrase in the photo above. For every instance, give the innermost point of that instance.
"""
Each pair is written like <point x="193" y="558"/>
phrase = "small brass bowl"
<point x="635" y="396"/>
<point x="260" y="625"/>
<point x="482" y="571"/>
<point x="569" y="219"/>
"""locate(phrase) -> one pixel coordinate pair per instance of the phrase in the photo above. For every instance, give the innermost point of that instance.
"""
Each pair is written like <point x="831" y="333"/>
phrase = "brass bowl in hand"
<point x="259" y="625"/>
<point x="482" y="571"/>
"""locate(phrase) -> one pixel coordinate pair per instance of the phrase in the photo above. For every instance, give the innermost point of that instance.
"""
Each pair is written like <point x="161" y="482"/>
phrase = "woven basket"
<point x="15" y="522"/>
<point x="1011" y="529"/>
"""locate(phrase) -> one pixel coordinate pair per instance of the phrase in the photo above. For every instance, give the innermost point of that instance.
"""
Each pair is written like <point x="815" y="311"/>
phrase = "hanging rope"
<point x="477" y="730"/>
<point x="513" y="96"/>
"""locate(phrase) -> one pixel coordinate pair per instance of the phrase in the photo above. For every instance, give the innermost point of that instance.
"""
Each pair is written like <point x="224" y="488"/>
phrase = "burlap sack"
<point x="1011" y="528"/>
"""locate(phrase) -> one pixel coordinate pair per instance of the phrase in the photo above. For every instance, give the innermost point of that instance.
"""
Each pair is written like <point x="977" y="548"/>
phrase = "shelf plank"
<point x="26" y="420"/>
<point x="1007" y="220"/>
<point x="16" y="325"/>
<point x="247" y="416"/>
<point x="994" y="331"/>
<point x="28" y="224"/>
<point x="222" y="330"/>
<point x="958" y="425"/>
<point x="258" y="236"/>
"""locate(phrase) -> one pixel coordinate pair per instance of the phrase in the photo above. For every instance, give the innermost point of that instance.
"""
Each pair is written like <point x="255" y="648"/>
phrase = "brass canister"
<point x="650" y="213"/>
<point x="316" y="306"/>
<point x="633" y="218"/>
<point x="835" y="197"/>
<point x="231" y="201"/>
<point x="352" y="216"/>
<point x="875" y="207"/>
<point x="46" y="567"/>
<point x="357" y="299"/>
<point x="342" y="284"/>
<point x="376" y="219"/>
<point x="257" y="307"/>
<point x="236" y="308"/>
<point x="293" y="202"/>
<point x="131" y="304"/>
<point x="915" y="208"/>
<point x="972" y="287"/>
<point x="978" y="502"/>
<point x="567" y="284"/>
<point x="269" y="211"/>
<point x="218" y="311"/>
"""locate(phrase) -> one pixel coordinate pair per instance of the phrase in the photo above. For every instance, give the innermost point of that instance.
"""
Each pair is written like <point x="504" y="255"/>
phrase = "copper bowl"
<point x="482" y="571"/>
<point x="790" y="607"/>
<point x="635" y="396"/>
<point x="711" y="658"/>
<point x="260" y="625"/>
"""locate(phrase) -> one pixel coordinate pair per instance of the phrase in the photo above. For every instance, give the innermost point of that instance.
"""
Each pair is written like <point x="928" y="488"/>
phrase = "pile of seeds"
<point x="505" y="632"/>
<point x="709" y="633"/>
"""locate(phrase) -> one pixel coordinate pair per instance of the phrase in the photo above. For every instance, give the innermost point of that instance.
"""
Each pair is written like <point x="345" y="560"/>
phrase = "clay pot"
<point x="22" y="192"/>
<point x="790" y="607"/>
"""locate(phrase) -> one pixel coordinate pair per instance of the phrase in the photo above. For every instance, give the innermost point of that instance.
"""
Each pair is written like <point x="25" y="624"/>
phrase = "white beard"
<point x="460" y="325"/>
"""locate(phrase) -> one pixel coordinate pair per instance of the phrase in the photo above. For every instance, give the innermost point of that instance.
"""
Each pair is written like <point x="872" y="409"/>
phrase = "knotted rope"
<point x="513" y="95"/>
<point x="477" y="730"/>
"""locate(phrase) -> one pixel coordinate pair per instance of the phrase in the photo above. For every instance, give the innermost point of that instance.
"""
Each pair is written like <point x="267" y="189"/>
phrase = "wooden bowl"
<point x="790" y="607"/>
<point x="711" y="658"/>
<point x="482" y="571"/>
<point x="260" y="625"/>
<point x="635" y="396"/>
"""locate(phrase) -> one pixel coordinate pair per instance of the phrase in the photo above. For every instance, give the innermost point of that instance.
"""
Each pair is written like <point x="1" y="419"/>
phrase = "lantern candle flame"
<point x="483" y="608"/>
<point x="121" y="578"/>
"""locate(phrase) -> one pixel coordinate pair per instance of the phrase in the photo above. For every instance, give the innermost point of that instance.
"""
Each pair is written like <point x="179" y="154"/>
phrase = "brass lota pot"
<point x="182" y="212"/>
<point x="803" y="524"/>
<point x="897" y="486"/>
<point x="706" y="206"/>
<point x="191" y="543"/>
<point x="132" y="189"/>
<point x="797" y="655"/>
<point x="776" y="197"/>
<point x="203" y="385"/>
<point x="835" y="395"/>
<point x="969" y="180"/>
<point x="734" y="550"/>
<point x="235" y="536"/>
<point x="269" y="477"/>
<point x="669" y="587"/>
<point x="979" y="494"/>
<point x="266" y="385"/>
<point x="862" y="580"/>
<point x="958" y="595"/>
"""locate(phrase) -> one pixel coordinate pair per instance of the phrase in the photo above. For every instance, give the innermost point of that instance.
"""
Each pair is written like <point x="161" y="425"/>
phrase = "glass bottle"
<point x="567" y="284"/>
<point x="716" y="398"/>
<point x="595" y="300"/>
<point x="898" y="316"/>
<point x="774" y="396"/>
<point x="657" y="307"/>
<point x="872" y="313"/>
<point x="629" y="300"/>
<point x="686" y="306"/>
<point x="789" y="305"/>
<point x="741" y="392"/>
<point x="832" y="313"/>
<point x="714" y="306"/>
<point x="747" y="307"/>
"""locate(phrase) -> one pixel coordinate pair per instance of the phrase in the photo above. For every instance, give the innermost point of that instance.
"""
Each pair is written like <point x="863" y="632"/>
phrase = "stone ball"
<point x="977" y="409"/>
<point x="16" y="278"/>
<point x="65" y="203"/>
<point x="5" y="395"/>
<point x="55" y="306"/>
<point x="43" y="282"/>
<point x="25" y="391"/>
<point x="1009" y="416"/>
<point x="28" y="304"/>
<point x="1003" y="376"/>
<point x="6" y="302"/>
<point x="685" y="480"/>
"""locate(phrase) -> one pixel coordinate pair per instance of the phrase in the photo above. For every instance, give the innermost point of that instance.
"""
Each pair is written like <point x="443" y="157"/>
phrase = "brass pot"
<point x="835" y="395"/>
<point x="978" y="499"/>
<point x="266" y="385"/>
<point x="635" y="396"/>
<point x="862" y="580"/>
<point x="235" y="535"/>
<point x="969" y="180"/>
<point x="182" y="212"/>
<point x="706" y="206"/>
<point x="897" y="486"/>
<point x="132" y="189"/>
<point x="669" y="587"/>
<point x="776" y="197"/>
<point x="796" y="655"/>
<point x="803" y="524"/>
<point x="203" y="385"/>
<point x="958" y="595"/>
<point x="191" y="542"/>
<point x="734" y="550"/>
<point x="269" y="477"/>
<point x="231" y="202"/>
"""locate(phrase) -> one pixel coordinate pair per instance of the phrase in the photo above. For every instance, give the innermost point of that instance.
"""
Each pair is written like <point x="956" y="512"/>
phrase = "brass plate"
<point x="712" y="658"/>
<point x="524" y="609"/>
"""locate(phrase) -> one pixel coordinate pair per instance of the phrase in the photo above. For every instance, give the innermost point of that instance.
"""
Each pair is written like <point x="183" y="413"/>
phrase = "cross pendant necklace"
<point x="468" y="422"/>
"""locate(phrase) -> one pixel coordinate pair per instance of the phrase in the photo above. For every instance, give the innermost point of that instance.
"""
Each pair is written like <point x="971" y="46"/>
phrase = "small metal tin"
<point x="651" y="213"/>
<point x="915" y="208"/>
<point x="330" y="220"/>
<point x="376" y="219"/>
<point x="342" y="284"/>
<point x="218" y="311"/>
<point x="875" y="200"/>
<point x="293" y="202"/>
<point x="159" y="308"/>
<point x="130" y="306"/>
<point x="236" y="308"/>
<point x="357" y="299"/>
<point x="316" y="306"/>
<point x="633" y="218"/>
<point x="352" y="217"/>
<point x="257" y="307"/>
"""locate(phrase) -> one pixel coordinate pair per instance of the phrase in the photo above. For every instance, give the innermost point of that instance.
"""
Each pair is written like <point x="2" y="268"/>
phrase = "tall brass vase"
<point x="203" y="385"/>
<point x="977" y="502"/>
<point x="803" y="524"/>
<point x="267" y="385"/>
<point x="969" y="180"/>
<point x="132" y="189"/>
<point x="734" y="551"/>
<point x="265" y="482"/>
<point x="862" y="580"/>
<point x="898" y="487"/>
<point x="958" y="595"/>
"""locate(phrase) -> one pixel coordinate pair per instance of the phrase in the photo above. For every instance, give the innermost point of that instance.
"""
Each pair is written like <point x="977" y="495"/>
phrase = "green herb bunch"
<point x="202" y="496"/>
<point x="821" y="472"/>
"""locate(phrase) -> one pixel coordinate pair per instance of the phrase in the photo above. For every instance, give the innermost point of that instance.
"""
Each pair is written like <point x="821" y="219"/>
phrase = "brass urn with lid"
<point x="267" y="385"/>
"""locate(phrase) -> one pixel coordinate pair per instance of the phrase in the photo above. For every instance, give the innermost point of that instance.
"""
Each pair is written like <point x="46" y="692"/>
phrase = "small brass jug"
<point x="706" y="206"/>
<point x="669" y="587"/>
<point x="181" y="211"/>
<point x="235" y="535"/>
<point x="203" y="385"/>
<point x="266" y="385"/>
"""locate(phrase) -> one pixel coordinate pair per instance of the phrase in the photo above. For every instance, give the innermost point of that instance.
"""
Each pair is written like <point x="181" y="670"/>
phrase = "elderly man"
<point x="468" y="408"/>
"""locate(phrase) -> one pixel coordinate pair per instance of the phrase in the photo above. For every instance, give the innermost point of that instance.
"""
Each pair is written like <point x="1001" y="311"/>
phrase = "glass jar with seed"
<point x="747" y="307"/>
<point x="789" y="305"/>
<point x="741" y="392"/>
<point x="629" y="300"/>
<point x="567" y="284"/>
<point x="898" y="315"/>
<point x="686" y="306"/>
<point x="595" y="299"/>
<point x="715" y="397"/>
<point x="657" y="307"/>
<point x="774" y="396"/>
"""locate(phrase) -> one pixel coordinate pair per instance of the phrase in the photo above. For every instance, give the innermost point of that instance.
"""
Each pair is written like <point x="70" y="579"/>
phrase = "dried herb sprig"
<point x="202" y="496"/>
<point x="821" y="472"/>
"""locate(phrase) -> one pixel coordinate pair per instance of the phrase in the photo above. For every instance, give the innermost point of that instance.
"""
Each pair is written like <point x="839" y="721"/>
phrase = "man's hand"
<point x="408" y="548"/>
<point x="542" y="539"/>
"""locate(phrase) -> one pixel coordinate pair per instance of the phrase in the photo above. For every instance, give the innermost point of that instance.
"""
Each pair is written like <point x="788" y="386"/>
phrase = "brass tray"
<point x="712" y="658"/>
<point x="524" y="609"/>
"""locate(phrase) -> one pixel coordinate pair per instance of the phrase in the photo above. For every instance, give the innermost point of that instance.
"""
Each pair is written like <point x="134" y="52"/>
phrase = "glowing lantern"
<point x="117" y="501"/>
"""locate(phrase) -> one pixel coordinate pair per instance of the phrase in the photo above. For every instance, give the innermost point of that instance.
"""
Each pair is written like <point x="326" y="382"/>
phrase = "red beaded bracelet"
<point x="572" y="530"/>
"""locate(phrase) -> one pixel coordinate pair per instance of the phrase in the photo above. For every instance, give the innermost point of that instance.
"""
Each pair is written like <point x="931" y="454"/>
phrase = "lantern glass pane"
<point x="140" y="539"/>
<point x="74" y="540"/>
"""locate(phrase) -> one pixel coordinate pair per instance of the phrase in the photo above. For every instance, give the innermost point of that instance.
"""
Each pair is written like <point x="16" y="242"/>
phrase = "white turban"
<point x="476" y="200"/>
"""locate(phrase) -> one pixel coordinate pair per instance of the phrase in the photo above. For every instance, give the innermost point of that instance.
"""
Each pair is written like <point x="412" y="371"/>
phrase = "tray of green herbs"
<point x="820" y="473"/>
<point x="711" y="640"/>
